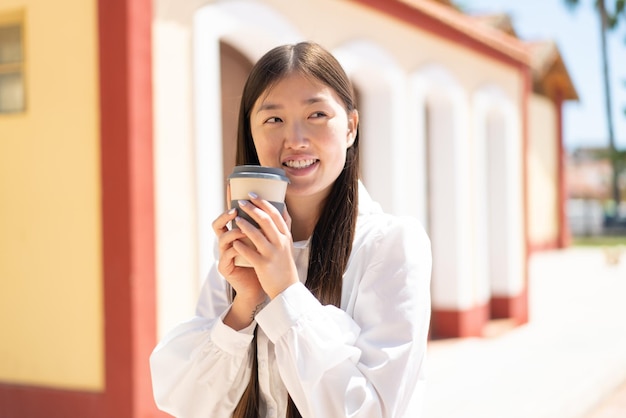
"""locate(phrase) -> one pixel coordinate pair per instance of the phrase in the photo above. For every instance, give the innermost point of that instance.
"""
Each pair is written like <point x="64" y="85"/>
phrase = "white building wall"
<point x="434" y="87"/>
<point x="175" y="177"/>
<point x="399" y="70"/>
<point x="543" y="172"/>
<point x="188" y="135"/>
<point x="382" y="126"/>
<point x="499" y="182"/>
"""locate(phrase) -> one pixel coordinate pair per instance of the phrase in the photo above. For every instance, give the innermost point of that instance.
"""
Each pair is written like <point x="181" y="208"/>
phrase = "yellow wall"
<point x="542" y="172"/>
<point x="50" y="241"/>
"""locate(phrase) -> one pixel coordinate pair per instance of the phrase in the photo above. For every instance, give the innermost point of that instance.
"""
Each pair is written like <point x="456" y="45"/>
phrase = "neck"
<point x="304" y="212"/>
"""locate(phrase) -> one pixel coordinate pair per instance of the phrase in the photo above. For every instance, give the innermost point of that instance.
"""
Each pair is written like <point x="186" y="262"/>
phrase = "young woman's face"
<point x="301" y="125"/>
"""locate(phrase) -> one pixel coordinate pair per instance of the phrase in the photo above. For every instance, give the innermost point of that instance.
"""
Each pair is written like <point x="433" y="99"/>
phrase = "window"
<point x="12" y="98"/>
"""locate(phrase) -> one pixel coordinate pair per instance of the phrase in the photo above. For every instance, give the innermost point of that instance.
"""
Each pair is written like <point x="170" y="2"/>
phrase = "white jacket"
<point x="363" y="360"/>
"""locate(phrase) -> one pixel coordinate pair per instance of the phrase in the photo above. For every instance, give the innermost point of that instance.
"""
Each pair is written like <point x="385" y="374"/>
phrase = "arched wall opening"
<point x="223" y="27"/>
<point x="234" y="69"/>
<point x="459" y="296"/>
<point x="499" y="202"/>
<point x="201" y="52"/>
<point x="380" y="84"/>
<point x="441" y="198"/>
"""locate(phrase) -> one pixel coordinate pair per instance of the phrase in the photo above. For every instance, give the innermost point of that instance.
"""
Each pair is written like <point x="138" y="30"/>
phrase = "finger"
<point x="226" y="239"/>
<point x="241" y="248"/>
<point x="227" y="259"/>
<point x="267" y="231"/>
<point x="220" y="224"/>
<point x="250" y="231"/>
<point x="270" y="209"/>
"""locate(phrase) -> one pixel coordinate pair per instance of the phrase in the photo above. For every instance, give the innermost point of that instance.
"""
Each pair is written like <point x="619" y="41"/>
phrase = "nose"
<point x="295" y="136"/>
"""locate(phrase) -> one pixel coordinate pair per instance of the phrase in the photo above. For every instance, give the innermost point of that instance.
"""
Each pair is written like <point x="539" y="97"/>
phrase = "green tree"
<point x="609" y="19"/>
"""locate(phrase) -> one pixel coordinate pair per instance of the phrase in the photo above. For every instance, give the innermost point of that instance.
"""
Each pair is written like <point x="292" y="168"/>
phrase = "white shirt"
<point x="363" y="360"/>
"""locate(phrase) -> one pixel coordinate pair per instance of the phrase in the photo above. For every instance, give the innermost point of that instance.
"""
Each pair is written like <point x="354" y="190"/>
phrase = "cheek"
<point x="264" y="150"/>
<point x="340" y="138"/>
<point x="337" y="143"/>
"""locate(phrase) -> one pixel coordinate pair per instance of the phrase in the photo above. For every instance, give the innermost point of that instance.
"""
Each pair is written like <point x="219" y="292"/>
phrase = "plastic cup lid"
<point x="258" y="171"/>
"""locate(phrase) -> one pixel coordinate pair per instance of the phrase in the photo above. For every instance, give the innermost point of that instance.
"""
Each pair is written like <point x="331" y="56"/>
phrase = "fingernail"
<point x="232" y="211"/>
<point x="253" y="195"/>
<point x="242" y="202"/>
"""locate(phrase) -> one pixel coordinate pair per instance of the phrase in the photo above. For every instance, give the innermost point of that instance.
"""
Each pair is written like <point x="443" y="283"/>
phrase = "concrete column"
<point x="499" y="211"/>
<point x="459" y="299"/>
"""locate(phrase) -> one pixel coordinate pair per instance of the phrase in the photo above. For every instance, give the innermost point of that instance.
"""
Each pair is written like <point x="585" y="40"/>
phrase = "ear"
<point x="353" y="125"/>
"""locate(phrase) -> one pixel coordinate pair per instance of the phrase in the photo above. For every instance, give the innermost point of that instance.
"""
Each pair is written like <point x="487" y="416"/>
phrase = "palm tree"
<point x="608" y="21"/>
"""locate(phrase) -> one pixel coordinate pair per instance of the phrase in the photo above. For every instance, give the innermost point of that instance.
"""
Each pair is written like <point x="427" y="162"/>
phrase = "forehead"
<point x="296" y="87"/>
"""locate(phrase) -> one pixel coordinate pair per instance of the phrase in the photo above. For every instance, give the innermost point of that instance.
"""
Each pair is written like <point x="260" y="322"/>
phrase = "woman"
<point x="332" y="320"/>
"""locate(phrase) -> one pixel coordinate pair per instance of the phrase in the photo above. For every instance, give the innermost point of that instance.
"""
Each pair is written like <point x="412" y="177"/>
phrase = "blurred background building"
<point x="117" y="127"/>
<point x="591" y="211"/>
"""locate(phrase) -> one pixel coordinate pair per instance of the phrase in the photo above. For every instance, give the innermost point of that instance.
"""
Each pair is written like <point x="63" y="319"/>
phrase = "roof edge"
<point x="472" y="27"/>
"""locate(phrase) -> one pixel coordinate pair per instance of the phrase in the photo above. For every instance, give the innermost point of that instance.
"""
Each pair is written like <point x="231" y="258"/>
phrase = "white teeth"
<point x="300" y="163"/>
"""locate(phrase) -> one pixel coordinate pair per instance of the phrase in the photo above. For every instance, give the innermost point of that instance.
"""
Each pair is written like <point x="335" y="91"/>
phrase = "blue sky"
<point x="577" y="35"/>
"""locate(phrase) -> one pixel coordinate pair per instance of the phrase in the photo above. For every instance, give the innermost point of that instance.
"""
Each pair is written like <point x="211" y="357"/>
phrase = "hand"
<point x="271" y="256"/>
<point x="244" y="281"/>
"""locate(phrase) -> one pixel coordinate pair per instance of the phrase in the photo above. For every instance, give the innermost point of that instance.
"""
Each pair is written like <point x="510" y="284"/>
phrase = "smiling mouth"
<point x="299" y="163"/>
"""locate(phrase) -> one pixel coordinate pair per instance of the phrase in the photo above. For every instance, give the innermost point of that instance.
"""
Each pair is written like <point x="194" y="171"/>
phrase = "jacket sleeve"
<point x="370" y="364"/>
<point x="201" y="367"/>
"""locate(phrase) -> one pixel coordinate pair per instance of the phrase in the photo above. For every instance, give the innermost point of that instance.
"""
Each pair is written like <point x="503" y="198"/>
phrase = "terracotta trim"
<point x="564" y="236"/>
<point x="511" y="307"/>
<point x="537" y="247"/>
<point x="17" y="401"/>
<point x="456" y="27"/>
<point x="525" y="107"/>
<point x="128" y="247"/>
<point x="127" y="204"/>
<point x="459" y="323"/>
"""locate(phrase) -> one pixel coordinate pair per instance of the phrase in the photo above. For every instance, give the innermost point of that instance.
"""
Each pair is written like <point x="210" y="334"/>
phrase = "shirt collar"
<point x="367" y="205"/>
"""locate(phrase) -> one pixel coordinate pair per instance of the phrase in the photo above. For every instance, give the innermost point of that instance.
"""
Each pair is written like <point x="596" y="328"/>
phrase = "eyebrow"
<point x="274" y="106"/>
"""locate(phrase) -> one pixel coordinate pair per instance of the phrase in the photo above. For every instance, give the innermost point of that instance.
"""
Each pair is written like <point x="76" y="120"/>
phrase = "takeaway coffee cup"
<point x="268" y="183"/>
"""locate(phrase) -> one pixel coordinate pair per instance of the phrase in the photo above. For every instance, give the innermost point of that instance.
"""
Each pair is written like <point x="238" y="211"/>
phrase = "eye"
<point x="273" y="119"/>
<point x="317" y="115"/>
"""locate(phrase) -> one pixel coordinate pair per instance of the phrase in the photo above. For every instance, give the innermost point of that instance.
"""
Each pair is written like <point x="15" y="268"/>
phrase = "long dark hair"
<point x="331" y="242"/>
